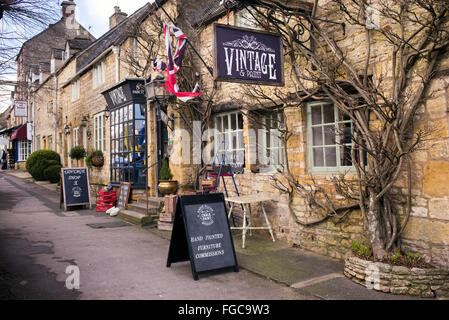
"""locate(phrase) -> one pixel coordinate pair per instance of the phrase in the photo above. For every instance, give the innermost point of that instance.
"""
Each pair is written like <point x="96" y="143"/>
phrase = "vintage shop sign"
<point x="125" y="92"/>
<point x="247" y="55"/>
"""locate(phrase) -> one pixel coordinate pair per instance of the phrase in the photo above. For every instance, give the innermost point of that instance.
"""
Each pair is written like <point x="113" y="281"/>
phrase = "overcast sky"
<point x="95" y="13"/>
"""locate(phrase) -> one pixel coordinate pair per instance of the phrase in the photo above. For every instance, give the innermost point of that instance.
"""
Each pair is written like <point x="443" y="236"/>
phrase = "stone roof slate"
<point x="113" y="37"/>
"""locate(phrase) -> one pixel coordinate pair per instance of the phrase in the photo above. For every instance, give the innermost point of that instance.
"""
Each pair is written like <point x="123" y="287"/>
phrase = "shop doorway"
<point x="162" y="136"/>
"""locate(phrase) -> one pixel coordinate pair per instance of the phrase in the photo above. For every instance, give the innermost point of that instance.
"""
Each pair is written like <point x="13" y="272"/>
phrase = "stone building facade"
<point x="427" y="231"/>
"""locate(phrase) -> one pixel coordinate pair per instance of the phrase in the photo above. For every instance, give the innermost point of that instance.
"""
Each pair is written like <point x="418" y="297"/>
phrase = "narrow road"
<point x="38" y="241"/>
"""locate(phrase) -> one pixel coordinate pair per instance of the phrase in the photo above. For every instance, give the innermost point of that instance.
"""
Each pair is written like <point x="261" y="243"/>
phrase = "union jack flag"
<point x="174" y="64"/>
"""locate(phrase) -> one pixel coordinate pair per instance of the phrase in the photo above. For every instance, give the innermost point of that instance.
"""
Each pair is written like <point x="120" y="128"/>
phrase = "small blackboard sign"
<point x="75" y="188"/>
<point x="123" y="196"/>
<point x="201" y="234"/>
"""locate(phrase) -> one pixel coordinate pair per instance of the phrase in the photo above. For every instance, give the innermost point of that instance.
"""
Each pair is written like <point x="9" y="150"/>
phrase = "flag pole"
<point x="187" y="40"/>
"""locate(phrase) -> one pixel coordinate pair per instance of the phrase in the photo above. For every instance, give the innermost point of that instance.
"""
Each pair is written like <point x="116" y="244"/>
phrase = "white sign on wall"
<point x="20" y="108"/>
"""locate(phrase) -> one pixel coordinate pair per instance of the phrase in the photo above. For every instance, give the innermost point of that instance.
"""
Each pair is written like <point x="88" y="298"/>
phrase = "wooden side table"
<point x="246" y="202"/>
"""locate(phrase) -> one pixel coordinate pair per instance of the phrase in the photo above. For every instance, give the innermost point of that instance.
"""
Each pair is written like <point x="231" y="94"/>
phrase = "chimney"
<point x="117" y="17"/>
<point x="68" y="8"/>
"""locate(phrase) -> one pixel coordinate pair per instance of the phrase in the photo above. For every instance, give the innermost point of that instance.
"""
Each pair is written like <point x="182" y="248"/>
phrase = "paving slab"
<point x="310" y="275"/>
<point x="345" y="289"/>
<point x="282" y="263"/>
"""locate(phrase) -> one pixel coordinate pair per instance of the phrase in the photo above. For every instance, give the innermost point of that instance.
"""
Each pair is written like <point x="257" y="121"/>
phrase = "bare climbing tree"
<point x="410" y="37"/>
<point x="19" y="20"/>
<point x="149" y="44"/>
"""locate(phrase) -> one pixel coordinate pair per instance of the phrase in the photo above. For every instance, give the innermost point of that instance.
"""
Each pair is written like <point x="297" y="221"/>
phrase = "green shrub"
<point x="53" y="173"/>
<point x="413" y="258"/>
<point x="396" y="256"/>
<point x="97" y="153"/>
<point x="361" y="250"/>
<point x="165" y="173"/>
<point x="77" y="153"/>
<point x="88" y="160"/>
<point x="40" y="160"/>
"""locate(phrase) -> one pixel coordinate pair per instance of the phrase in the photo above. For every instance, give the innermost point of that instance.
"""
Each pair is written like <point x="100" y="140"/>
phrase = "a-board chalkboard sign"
<point x="123" y="196"/>
<point x="201" y="234"/>
<point x="75" y="188"/>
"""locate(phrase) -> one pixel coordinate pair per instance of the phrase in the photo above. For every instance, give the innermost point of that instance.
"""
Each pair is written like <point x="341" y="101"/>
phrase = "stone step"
<point x="152" y="201"/>
<point x="136" y="217"/>
<point x="43" y="183"/>
<point x="142" y="208"/>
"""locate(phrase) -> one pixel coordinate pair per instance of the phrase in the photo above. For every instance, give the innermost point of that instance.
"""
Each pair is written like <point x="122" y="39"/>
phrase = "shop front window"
<point x="128" y="145"/>
<point x="229" y="138"/>
<point x="24" y="147"/>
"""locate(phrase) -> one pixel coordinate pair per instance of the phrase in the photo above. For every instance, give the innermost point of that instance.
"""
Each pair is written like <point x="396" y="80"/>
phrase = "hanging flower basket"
<point x="97" y="161"/>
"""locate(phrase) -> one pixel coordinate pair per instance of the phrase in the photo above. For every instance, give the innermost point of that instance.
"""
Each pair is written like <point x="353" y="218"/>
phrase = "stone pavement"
<point x="312" y="275"/>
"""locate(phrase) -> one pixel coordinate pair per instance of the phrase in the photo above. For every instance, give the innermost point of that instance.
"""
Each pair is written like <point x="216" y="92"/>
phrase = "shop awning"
<point x="20" y="133"/>
<point x="9" y="130"/>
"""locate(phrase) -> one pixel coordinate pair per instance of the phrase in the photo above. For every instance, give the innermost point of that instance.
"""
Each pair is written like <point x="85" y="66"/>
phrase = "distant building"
<point x="37" y="60"/>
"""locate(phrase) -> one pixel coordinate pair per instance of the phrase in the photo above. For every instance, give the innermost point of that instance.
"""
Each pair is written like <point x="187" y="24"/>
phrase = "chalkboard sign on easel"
<point x="75" y="188"/>
<point x="123" y="196"/>
<point x="201" y="234"/>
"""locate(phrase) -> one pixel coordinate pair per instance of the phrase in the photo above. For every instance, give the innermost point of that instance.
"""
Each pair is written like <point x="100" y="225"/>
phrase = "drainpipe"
<point x="116" y="51"/>
<point x="55" y="113"/>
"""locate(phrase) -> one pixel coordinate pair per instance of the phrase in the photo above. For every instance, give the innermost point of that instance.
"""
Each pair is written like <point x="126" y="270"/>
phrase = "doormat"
<point x="105" y="225"/>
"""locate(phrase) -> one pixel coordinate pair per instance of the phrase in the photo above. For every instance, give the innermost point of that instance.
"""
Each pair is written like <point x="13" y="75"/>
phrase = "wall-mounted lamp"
<point x="89" y="133"/>
<point x="84" y="122"/>
<point x="67" y="129"/>
<point x="106" y="112"/>
<point x="156" y="91"/>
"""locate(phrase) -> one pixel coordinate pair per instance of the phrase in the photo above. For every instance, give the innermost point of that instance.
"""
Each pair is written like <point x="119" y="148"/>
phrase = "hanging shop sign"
<point x="20" y="108"/>
<point x="201" y="234"/>
<point x="75" y="188"/>
<point x="248" y="56"/>
<point x="125" y="92"/>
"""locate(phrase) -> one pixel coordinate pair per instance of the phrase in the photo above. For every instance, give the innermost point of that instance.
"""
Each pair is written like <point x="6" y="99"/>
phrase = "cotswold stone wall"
<point x="427" y="231"/>
<point x="426" y="283"/>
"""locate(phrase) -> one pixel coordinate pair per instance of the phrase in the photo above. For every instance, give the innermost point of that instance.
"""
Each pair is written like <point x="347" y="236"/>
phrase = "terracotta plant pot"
<point x="167" y="187"/>
<point x="97" y="161"/>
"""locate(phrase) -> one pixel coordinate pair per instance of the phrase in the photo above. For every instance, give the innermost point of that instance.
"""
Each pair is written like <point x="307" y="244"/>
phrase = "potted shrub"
<point x="95" y="158"/>
<point x="166" y="184"/>
<point x="77" y="153"/>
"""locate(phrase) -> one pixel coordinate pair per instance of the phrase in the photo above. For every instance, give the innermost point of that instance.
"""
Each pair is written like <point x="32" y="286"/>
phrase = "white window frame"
<point x="276" y="149"/>
<point x="76" y="137"/>
<point x="75" y="90"/>
<point x="326" y="169"/>
<point x="243" y="18"/>
<point x="100" y="132"/>
<point x="24" y="147"/>
<point x="233" y="148"/>
<point x="50" y="142"/>
<point x="99" y="75"/>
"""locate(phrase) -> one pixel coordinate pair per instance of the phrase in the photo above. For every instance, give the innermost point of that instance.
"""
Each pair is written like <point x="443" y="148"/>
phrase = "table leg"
<point x="250" y="219"/>
<point x="230" y="210"/>
<point x="268" y="222"/>
<point x="244" y="227"/>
